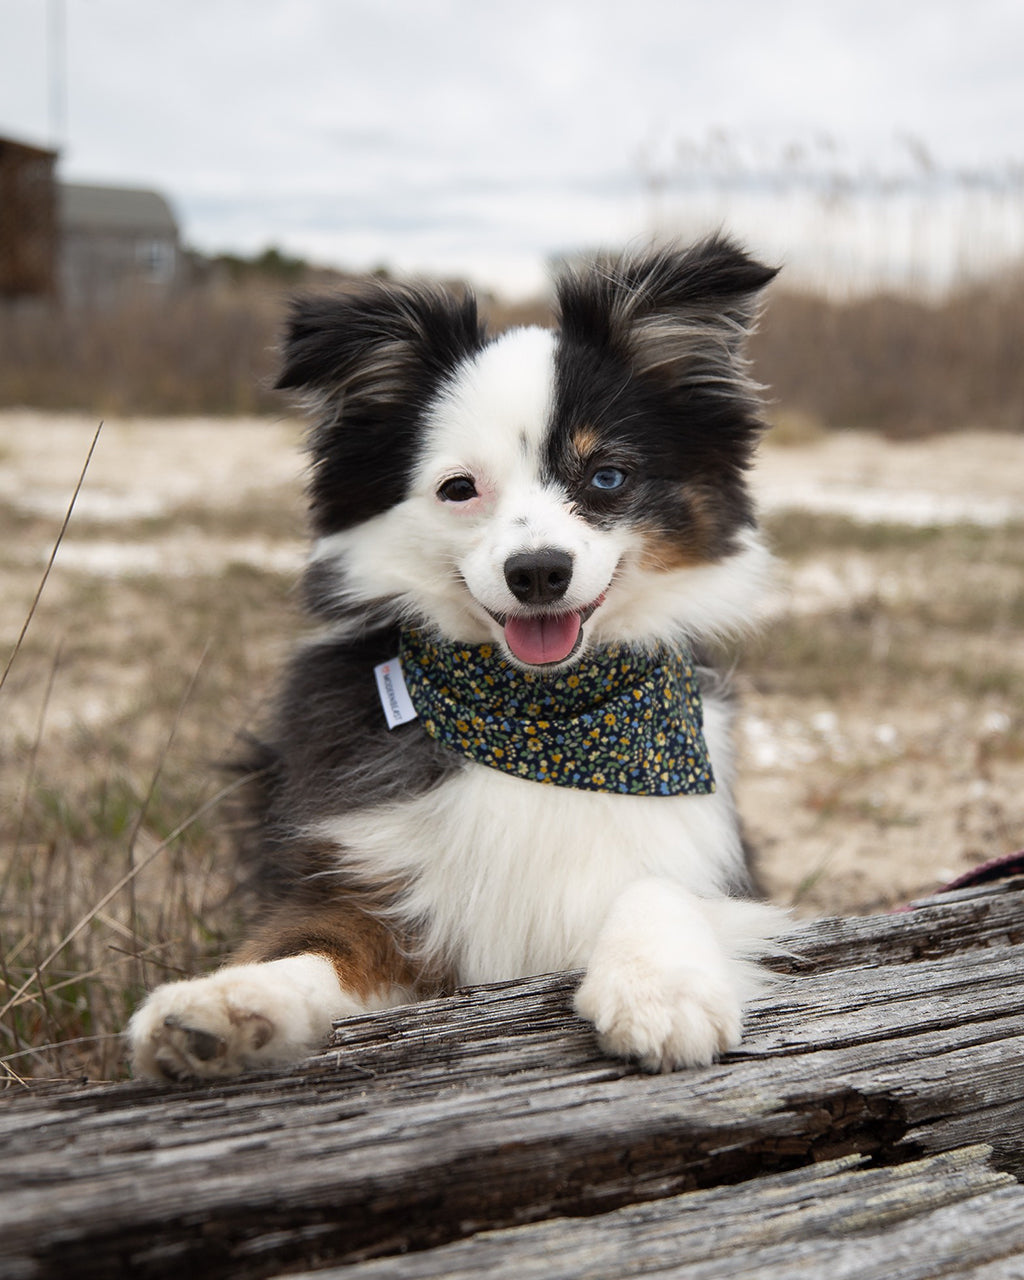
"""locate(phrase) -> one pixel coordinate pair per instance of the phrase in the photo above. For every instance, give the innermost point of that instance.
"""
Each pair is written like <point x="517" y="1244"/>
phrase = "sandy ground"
<point x="976" y="478"/>
<point x="854" y="803"/>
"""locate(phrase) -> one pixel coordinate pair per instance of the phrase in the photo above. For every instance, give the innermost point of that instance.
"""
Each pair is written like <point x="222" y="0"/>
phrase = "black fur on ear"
<point x="366" y="364"/>
<point x="679" y="315"/>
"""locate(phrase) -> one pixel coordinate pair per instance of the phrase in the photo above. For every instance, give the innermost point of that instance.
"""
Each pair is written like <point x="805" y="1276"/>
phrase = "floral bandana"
<point x="621" y="721"/>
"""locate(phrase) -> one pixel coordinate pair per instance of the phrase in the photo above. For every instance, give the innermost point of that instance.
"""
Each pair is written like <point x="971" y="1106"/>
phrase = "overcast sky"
<point x="471" y="135"/>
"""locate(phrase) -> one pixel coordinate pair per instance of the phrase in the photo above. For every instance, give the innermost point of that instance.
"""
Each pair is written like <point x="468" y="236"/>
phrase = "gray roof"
<point x="85" y="208"/>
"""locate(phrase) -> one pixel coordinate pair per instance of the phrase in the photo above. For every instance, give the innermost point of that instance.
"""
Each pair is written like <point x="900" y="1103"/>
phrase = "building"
<point x="116" y="242"/>
<point x="80" y="245"/>
<point x="29" y="228"/>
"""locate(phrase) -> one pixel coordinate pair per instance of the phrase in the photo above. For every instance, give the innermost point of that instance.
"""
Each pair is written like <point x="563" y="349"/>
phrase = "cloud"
<point x="404" y="128"/>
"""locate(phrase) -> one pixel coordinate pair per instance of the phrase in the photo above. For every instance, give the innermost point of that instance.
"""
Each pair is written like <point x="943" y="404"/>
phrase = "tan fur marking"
<point x="364" y="952"/>
<point x="664" y="552"/>
<point x="585" y="441"/>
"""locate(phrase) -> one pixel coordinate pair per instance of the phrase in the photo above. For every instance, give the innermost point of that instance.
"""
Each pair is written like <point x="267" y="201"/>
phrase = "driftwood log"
<point x="871" y="1125"/>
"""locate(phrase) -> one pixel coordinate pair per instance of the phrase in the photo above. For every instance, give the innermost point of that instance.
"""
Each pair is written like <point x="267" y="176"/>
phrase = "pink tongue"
<point x="550" y="638"/>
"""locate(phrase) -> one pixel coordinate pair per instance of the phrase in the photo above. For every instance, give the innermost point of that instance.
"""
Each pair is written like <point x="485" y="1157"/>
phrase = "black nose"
<point x="539" y="577"/>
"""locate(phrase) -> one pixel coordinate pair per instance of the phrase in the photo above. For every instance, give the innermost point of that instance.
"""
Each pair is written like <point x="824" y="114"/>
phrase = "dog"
<point x="501" y="756"/>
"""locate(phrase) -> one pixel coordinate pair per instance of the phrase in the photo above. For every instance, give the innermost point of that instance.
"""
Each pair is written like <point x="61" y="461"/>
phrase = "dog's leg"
<point x="669" y="973"/>
<point x="300" y="973"/>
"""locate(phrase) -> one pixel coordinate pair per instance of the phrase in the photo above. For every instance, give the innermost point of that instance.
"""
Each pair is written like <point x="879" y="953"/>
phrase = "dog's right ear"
<point x="379" y="343"/>
<point x="366" y="364"/>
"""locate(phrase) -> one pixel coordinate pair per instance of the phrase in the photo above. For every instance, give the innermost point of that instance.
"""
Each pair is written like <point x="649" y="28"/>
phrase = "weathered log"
<point x="944" y="1215"/>
<point x="890" y="1038"/>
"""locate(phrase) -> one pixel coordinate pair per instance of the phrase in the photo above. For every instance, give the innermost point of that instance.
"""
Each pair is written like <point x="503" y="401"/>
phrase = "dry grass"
<point x="895" y="709"/>
<point x="121" y="705"/>
<point x="946" y="617"/>
<point x="112" y="798"/>
<point x="206" y="350"/>
<point x="897" y="365"/>
<point x="202" y="351"/>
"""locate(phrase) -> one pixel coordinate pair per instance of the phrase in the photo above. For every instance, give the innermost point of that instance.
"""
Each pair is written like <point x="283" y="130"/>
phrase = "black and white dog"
<point x="498" y="758"/>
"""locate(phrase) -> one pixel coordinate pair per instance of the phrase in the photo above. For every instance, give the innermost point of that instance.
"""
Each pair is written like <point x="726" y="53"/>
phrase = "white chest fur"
<point x="505" y="877"/>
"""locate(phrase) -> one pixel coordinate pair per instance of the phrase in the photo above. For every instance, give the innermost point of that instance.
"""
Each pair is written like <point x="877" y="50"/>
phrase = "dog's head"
<point x="547" y="489"/>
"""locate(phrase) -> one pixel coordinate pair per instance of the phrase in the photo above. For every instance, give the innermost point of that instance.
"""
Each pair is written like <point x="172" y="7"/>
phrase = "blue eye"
<point x="608" y="478"/>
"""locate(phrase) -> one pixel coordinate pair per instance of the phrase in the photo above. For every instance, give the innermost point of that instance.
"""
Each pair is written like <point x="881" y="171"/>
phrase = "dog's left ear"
<point x="670" y="313"/>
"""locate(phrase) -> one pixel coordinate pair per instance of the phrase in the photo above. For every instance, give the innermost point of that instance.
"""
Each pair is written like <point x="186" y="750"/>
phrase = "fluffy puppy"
<point x="499" y="758"/>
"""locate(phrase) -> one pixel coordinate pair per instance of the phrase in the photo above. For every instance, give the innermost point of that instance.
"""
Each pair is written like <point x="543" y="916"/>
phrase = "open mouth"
<point x="545" y="639"/>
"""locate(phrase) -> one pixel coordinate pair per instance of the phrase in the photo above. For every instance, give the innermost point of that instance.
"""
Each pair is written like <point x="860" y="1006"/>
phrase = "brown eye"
<point x="457" y="489"/>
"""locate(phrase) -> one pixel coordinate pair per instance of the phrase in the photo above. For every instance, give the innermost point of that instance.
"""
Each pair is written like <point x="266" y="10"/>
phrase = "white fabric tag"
<point x="394" y="696"/>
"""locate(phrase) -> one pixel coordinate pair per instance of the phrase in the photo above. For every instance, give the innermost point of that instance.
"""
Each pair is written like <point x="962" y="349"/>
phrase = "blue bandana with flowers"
<point x="622" y="720"/>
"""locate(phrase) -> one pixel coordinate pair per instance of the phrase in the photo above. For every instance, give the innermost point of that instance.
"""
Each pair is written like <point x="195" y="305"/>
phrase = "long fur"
<point x="617" y="444"/>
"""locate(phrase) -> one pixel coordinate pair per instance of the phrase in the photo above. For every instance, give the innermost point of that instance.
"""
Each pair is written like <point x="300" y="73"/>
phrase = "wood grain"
<point x="888" y="1040"/>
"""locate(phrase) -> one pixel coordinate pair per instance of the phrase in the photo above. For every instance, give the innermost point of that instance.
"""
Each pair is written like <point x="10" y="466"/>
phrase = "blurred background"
<point x="171" y="174"/>
<point x="163" y="170"/>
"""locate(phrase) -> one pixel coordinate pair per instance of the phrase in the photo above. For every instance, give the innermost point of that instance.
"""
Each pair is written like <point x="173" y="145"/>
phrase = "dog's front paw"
<point x="242" y="1018"/>
<point x="198" y="1030"/>
<point x="685" y="1017"/>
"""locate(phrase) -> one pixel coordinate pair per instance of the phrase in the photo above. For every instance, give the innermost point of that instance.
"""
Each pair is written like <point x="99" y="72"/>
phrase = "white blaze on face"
<point x="493" y="416"/>
<point x="490" y="427"/>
